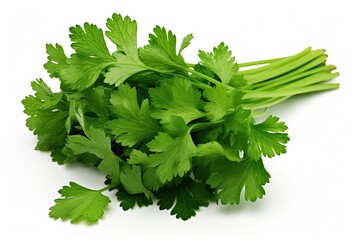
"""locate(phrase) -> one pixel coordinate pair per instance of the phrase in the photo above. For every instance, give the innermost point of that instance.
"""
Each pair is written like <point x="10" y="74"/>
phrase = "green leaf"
<point x="221" y="102"/>
<point x="215" y="150"/>
<point x="150" y="179"/>
<point x="230" y="178"/>
<point x="184" y="199"/>
<point x="79" y="204"/>
<point x="123" y="32"/>
<point x="96" y="142"/>
<point x="185" y="42"/>
<point x="43" y="99"/>
<point x="66" y="156"/>
<point x="207" y="154"/>
<point x="89" y="41"/>
<point x="131" y="180"/>
<point x="208" y="134"/>
<point x="56" y="59"/>
<point x="75" y="100"/>
<point x="267" y="138"/>
<point x="128" y="201"/>
<point x="123" y="69"/>
<point x="176" y="98"/>
<point x="47" y="116"/>
<point x="51" y="141"/>
<point x="133" y="124"/>
<point x="220" y="62"/>
<point x="171" y="155"/>
<point x="91" y="58"/>
<point x="82" y="71"/>
<point x="97" y="101"/>
<point x="161" y="52"/>
<point x="47" y="122"/>
<point x="238" y="121"/>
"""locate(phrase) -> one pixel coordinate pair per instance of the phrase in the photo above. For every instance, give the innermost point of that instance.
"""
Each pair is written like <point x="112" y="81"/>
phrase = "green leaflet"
<point x="161" y="51"/>
<point x="176" y="98"/>
<point x="230" y="178"/>
<point x="133" y="124"/>
<point x="220" y="62"/>
<point x="267" y="138"/>
<point x="184" y="199"/>
<point x="97" y="143"/>
<point x="79" y="203"/>
<point x="123" y="32"/>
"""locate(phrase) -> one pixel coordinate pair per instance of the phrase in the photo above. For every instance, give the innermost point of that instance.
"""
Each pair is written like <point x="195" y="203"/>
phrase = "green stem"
<point x="262" y="76"/>
<point x="288" y="78"/>
<point x="263" y="103"/>
<point x="199" y="126"/>
<point x="314" y="64"/>
<point x="255" y="113"/>
<point x="276" y="64"/>
<point x="254" y="63"/>
<point x="248" y="64"/>
<point x="210" y="79"/>
<point x="310" y="80"/>
<point x="250" y="94"/>
<point x="200" y="85"/>
<point x="106" y="188"/>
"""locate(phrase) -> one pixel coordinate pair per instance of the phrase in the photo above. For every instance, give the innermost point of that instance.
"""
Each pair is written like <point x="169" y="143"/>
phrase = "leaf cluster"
<point x="156" y="127"/>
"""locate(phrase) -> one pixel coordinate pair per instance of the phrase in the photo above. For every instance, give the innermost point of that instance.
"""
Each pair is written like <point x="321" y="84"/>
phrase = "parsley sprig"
<point x="159" y="127"/>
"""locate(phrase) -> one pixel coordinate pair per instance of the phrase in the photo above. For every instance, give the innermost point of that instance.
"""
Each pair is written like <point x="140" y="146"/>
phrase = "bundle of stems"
<point x="272" y="81"/>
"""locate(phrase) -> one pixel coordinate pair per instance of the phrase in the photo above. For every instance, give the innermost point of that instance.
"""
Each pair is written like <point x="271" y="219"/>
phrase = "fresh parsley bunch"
<point x="159" y="127"/>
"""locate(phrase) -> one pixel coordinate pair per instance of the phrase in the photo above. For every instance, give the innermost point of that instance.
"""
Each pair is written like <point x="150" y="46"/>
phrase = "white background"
<point x="314" y="189"/>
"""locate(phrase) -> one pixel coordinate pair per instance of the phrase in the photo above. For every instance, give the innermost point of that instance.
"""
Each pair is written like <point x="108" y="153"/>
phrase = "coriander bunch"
<point x="159" y="127"/>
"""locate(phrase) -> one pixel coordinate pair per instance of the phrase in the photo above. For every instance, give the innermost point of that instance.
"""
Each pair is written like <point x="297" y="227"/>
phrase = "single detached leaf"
<point x="230" y="178"/>
<point x="176" y="98"/>
<point x="133" y="123"/>
<point x="79" y="204"/>
<point x="184" y="199"/>
<point x="220" y="62"/>
<point x="267" y="138"/>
